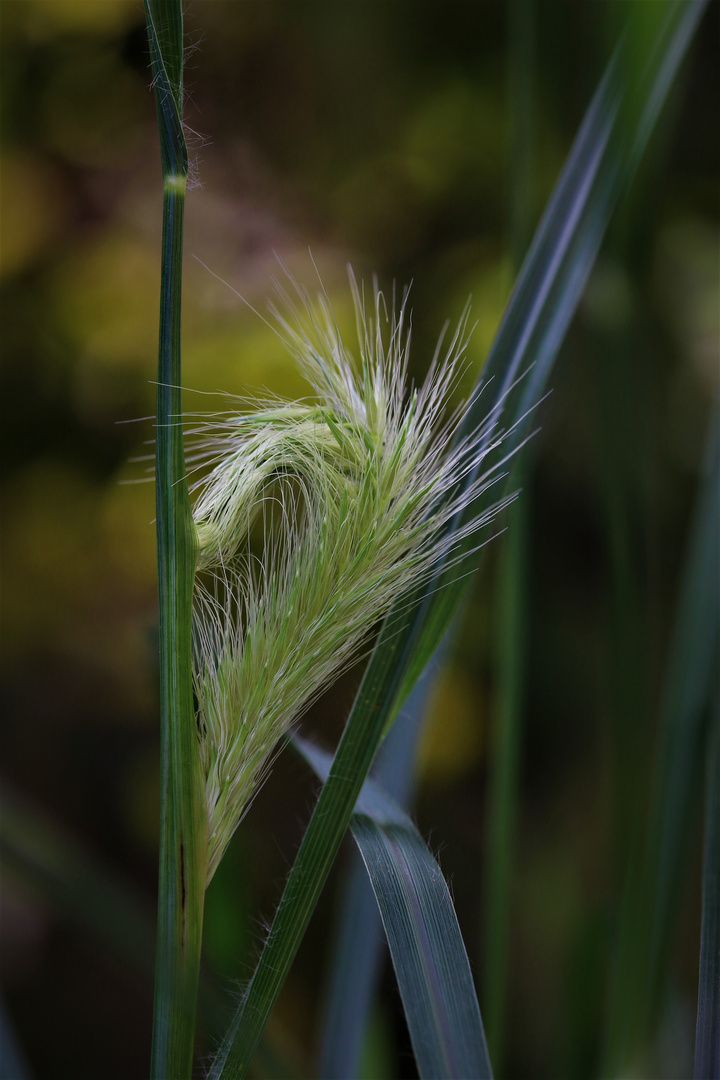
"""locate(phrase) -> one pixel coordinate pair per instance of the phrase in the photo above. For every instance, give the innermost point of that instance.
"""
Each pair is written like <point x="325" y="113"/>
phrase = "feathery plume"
<point x="348" y="497"/>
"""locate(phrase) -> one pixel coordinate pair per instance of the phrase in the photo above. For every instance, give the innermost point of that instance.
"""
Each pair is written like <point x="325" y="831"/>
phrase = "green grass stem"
<point x="183" y="845"/>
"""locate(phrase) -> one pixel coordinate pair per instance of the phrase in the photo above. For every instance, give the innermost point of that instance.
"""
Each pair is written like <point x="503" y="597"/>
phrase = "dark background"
<point x="378" y="133"/>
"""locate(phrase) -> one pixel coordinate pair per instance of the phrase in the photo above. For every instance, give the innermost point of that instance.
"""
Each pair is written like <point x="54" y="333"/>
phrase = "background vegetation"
<point x="379" y="133"/>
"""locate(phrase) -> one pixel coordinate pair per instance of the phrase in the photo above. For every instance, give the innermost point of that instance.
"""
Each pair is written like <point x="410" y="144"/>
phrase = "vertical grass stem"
<point x="183" y="846"/>
<point x="182" y="843"/>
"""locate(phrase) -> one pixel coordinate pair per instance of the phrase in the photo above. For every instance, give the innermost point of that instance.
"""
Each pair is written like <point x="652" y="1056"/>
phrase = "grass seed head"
<point x="313" y="519"/>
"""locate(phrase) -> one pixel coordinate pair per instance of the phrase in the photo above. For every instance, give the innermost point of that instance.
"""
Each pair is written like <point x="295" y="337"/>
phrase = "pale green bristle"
<point x="361" y="485"/>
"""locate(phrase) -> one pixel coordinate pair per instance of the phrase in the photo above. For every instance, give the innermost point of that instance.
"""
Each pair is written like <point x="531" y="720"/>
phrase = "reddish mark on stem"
<point x="182" y="889"/>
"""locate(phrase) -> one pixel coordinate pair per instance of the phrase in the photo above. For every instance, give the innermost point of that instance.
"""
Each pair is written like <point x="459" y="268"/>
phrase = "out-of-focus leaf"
<point x="428" y="953"/>
<point x="687" y="697"/>
<point x="12" y="1059"/>
<point x="511" y="590"/>
<point x="79" y="886"/>
<point x="707" y="1037"/>
<point x="505" y="768"/>
<point x="77" y="883"/>
<point x="356" y="957"/>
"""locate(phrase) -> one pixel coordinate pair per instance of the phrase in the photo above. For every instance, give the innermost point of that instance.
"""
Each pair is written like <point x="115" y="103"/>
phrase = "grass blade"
<point x="426" y="946"/>
<point x="182" y="829"/>
<point x="358" y="946"/>
<point x="428" y="953"/>
<point x="551" y="282"/>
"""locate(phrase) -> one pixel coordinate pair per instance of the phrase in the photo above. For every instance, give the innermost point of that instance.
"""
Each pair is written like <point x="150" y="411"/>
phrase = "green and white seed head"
<point x="313" y="520"/>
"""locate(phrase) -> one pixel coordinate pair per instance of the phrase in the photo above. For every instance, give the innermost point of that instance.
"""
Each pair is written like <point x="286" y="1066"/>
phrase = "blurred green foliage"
<point x="378" y="133"/>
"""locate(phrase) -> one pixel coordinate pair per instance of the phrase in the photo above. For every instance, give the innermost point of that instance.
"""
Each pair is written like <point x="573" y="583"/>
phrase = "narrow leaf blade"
<point x="427" y="949"/>
<point x="357" y="949"/>
<point x="428" y="953"/>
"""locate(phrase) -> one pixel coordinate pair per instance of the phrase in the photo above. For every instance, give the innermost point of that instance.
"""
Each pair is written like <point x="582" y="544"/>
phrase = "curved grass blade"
<point x="428" y="953"/>
<point x="358" y="946"/>
<point x="558" y="263"/>
<point x="182" y="827"/>
<point x="707" y="1037"/>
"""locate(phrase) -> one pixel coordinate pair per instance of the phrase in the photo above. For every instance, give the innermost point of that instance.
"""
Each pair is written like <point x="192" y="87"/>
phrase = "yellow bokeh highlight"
<point x="126" y="519"/>
<point x="456" y="134"/>
<point x="32" y="209"/>
<point x="79" y="579"/>
<point x="45" y="18"/>
<point x="107" y="297"/>
<point x="233" y="351"/>
<point x="489" y="290"/>
<point x="452" y="740"/>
